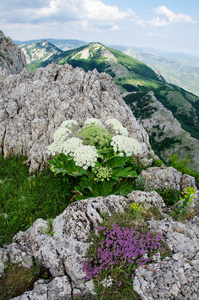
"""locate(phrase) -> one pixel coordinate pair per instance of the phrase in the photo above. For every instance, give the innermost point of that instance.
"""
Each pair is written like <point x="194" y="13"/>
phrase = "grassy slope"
<point x="179" y="69"/>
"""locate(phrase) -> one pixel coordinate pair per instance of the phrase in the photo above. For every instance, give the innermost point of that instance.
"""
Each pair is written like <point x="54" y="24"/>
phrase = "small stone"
<point x="175" y="290"/>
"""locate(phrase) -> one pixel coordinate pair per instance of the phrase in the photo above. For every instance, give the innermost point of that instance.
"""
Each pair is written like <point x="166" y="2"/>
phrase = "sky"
<point x="171" y="25"/>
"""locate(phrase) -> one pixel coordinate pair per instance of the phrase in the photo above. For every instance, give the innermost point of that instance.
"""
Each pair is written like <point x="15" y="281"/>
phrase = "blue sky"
<point x="171" y="25"/>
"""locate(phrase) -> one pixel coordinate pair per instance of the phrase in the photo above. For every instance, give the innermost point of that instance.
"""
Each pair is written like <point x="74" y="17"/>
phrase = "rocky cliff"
<point x="11" y="57"/>
<point x="32" y="107"/>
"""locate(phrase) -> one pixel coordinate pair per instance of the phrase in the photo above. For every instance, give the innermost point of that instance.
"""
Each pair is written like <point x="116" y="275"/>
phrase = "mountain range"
<point x="177" y="68"/>
<point x="180" y="69"/>
<point x="169" y="113"/>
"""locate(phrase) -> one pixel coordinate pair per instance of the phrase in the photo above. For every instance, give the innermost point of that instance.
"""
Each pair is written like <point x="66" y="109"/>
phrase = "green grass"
<point x="17" y="279"/>
<point x="25" y="197"/>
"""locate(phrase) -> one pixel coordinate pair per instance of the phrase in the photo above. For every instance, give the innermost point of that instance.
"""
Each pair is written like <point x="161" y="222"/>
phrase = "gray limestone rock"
<point x="147" y="199"/>
<point x="164" y="177"/>
<point x="174" y="277"/>
<point x="64" y="251"/>
<point x="32" y="107"/>
<point x="12" y="58"/>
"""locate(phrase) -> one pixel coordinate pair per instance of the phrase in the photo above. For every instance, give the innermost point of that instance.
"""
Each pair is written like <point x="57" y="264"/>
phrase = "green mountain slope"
<point x="177" y="68"/>
<point x="131" y="75"/>
<point x="37" y="52"/>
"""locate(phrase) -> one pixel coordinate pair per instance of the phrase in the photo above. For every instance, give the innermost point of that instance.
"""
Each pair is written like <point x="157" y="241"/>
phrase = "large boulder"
<point x="162" y="178"/>
<point x="32" y="107"/>
<point x="62" y="252"/>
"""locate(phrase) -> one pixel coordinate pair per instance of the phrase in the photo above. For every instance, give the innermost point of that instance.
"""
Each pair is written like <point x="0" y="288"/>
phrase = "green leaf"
<point x="123" y="172"/>
<point x="66" y="165"/>
<point x="116" y="161"/>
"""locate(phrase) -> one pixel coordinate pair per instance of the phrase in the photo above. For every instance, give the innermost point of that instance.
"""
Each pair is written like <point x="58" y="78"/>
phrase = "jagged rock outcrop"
<point x="32" y="107"/>
<point x="176" y="277"/>
<point x="11" y="57"/>
<point x="64" y="251"/>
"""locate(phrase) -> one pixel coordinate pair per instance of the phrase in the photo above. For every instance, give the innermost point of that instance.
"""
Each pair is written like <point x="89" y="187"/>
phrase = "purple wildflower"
<point x="124" y="246"/>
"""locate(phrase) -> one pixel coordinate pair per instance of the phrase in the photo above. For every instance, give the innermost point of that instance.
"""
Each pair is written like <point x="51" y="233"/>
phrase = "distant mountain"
<point x="177" y="68"/>
<point x="37" y="52"/>
<point x="135" y="80"/>
<point x="63" y="44"/>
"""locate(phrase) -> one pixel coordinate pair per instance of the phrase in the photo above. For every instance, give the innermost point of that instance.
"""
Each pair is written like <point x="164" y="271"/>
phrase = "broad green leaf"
<point x="64" y="164"/>
<point x="123" y="172"/>
<point x="116" y="161"/>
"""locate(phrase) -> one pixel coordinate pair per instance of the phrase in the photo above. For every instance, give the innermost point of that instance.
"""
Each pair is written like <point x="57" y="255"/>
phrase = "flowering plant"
<point x="96" y="155"/>
<point x="188" y="196"/>
<point x="119" y="252"/>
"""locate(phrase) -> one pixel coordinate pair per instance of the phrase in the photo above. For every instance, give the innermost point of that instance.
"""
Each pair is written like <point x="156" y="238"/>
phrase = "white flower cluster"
<point x="69" y="123"/>
<point x="55" y="148"/>
<point x="71" y="145"/>
<point x="61" y="134"/>
<point x="117" y="126"/>
<point x="85" y="156"/>
<point x="93" y="121"/>
<point x="60" y="137"/>
<point x="126" y="144"/>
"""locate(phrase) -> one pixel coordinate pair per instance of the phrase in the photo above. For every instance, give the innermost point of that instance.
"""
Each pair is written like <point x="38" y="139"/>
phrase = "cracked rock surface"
<point x="32" y="107"/>
<point x="175" y="277"/>
<point x="164" y="177"/>
<point x="12" y="58"/>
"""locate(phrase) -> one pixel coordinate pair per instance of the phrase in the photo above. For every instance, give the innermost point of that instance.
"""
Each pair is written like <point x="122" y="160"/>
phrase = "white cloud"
<point x="169" y="17"/>
<point x="158" y="22"/>
<point x="62" y="10"/>
<point x="116" y="27"/>
<point x="154" y="34"/>
<point x="90" y="15"/>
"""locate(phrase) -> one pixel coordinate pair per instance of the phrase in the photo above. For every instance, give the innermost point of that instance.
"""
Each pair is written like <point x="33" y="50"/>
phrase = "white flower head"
<point x="55" y="148"/>
<point x="61" y="134"/>
<point x="85" y="156"/>
<point x="117" y="126"/>
<point x="93" y="121"/>
<point x="125" y="144"/>
<point x="113" y="122"/>
<point x="71" y="145"/>
<point x="69" y="124"/>
<point x="107" y="282"/>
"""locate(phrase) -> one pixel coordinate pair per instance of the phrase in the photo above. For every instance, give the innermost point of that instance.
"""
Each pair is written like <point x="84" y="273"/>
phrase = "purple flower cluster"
<point x="122" y="246"/>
